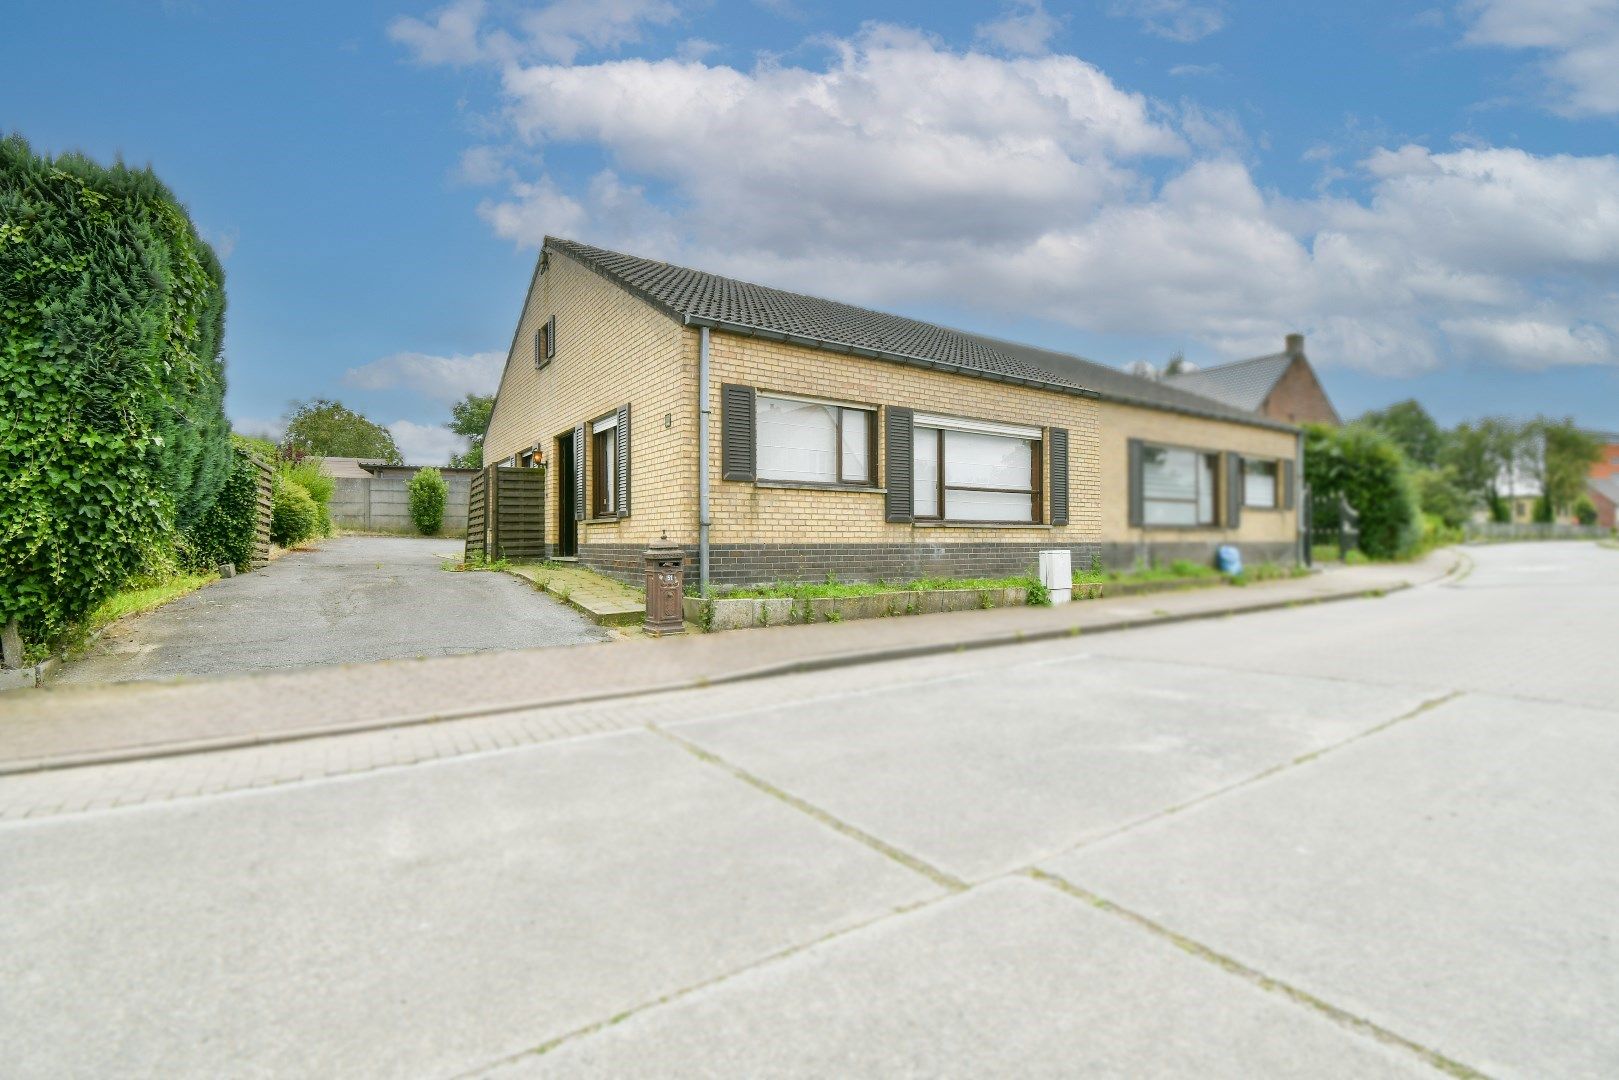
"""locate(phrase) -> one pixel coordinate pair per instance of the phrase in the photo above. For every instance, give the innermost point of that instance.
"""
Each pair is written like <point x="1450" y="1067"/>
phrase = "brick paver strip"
<point x="71" y="726"/>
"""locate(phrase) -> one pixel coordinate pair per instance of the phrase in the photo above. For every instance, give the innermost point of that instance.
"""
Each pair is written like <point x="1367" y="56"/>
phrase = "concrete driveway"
<point x="1377" y="838"/>
<point x="352" y="599"/>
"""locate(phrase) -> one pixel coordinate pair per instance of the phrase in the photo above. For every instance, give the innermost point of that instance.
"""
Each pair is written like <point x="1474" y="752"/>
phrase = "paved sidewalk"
<point x="67" y="726"/>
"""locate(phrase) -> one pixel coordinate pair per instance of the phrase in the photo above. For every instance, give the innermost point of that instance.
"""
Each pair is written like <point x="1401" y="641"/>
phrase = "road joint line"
<point x="831" y="821"/>
<point x="1254" y="977"/>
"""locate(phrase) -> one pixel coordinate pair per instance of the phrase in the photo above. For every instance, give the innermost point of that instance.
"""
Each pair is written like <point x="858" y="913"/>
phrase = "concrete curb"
<point x="789" y="667"/>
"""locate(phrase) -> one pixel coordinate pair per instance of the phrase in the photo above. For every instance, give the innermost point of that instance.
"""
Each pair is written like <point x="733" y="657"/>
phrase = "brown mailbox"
<point x="665" y="588"/>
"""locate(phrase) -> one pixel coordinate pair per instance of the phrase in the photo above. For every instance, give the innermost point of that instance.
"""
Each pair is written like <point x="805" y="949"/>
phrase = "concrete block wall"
<point x="382" y="502"/>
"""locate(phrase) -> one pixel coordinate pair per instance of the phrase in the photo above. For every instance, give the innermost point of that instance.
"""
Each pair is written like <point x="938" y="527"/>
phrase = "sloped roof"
<point x="699" y="298"/>
<point x="1115" y="385"/>
<point x="1244" y="384"/>
<point x="1606" y="486"/>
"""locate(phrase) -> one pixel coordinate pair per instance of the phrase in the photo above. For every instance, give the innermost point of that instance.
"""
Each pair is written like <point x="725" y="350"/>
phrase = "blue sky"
<point x="1430" y="193"/>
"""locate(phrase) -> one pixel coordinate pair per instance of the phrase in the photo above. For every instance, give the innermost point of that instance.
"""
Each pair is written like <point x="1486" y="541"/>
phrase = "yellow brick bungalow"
<point x="778" y="436"/>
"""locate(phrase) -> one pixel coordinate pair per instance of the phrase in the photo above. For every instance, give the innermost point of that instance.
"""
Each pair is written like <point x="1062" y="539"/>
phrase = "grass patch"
<point x="1268" y="571"/>
<point x="1179" y="570"/>
<point x="474" y="562"/>
<point x="783" y="590"/>
<point x="141" y="595"/>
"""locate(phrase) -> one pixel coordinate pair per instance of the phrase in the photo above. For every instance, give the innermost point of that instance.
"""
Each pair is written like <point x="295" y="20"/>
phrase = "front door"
<point x="567" y="527"/>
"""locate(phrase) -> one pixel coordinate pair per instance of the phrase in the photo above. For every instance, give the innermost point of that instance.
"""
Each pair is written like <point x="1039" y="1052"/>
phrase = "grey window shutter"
<point x="550" y="337"/>
<point x="1233" y="491"/>
<point x="579" y="473"/>
<point x="623" y="479"/>
<point x="1287" y="484"/>
<point x="1059" y="475"/>
<point x="539" y="349"/>
<point x="1137" y="511"/>
<point x="736" y="432"/>
<point x="901" y="464"/>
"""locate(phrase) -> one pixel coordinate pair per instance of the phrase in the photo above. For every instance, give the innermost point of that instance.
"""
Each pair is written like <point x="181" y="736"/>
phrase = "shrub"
<point x="427" y="494"/>
<point x="228" y="531"/>
<point x="1370" y="472"/>
<point x="306" y="474"/>
<point x="294" y="517"/>
<point x="1543" y="511"/>
<point x="112" y="429"/>
<point x="1585" y="511"/>
<point x="1441" y="495"/>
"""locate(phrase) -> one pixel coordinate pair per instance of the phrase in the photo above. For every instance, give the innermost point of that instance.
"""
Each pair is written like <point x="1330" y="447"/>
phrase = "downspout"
<point x="704" y="417"/>
<point x="1301" y="514"/>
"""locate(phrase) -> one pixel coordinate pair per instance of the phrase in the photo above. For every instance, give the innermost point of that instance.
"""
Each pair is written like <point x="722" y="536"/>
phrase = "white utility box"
<point x="1057" y="575"/>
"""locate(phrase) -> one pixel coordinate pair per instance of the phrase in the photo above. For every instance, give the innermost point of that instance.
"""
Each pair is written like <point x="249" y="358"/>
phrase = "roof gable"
<point x="1244" y="384"/>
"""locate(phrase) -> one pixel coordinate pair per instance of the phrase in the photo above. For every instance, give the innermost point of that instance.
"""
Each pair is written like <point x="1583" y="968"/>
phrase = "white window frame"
<point x="865" y="483"/>
<point x="936" y="423"/>
<point x="1276" y="484"/>
<point x="1200" y="471"/>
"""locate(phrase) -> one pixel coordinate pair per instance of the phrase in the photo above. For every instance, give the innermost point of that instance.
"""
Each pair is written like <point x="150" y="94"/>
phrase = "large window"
<point x="812" y="442"/>
<point x="1259" y="484"/>
<point x="975" y="472"/>
<point x="604" y="467"/>
<point x="1178" y="486"/>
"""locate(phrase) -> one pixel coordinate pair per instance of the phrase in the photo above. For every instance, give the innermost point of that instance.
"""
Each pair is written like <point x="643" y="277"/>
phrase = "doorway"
<point x="567" y="526"/>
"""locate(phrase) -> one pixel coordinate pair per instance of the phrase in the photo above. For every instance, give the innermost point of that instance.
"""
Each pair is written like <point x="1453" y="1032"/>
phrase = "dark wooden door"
<point x="567" y="527"/>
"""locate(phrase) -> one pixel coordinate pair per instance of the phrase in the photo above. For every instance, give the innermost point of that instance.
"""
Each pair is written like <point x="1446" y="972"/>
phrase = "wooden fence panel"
<point x="476" y="501"/>
<point x="261" y="531"/>
<point x="519" y="513"/>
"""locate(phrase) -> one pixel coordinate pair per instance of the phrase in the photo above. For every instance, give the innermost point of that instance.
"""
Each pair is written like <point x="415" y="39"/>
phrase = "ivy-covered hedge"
<point x="228" y="529"/>
<point x="112" y="433"/>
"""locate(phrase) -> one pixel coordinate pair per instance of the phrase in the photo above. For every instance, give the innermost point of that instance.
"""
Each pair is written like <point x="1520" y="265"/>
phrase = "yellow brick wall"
<point x="1121" y="423"/>
<point x="612" y="349"/>
<point x="744" y="512"/>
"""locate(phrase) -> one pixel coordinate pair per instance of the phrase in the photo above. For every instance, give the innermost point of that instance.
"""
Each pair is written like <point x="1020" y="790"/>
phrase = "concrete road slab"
<point x="1454" y="879"/>
<point x="1011" y="979"/>
<point x="418" y="922"/>
<point x="1529" y="620"/>
<point x="353" y="599"/>
<point x="978" y="776"/>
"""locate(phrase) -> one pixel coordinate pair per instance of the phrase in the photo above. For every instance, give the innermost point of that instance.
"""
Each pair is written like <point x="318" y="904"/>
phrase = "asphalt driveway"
<point x="353" y="599"/>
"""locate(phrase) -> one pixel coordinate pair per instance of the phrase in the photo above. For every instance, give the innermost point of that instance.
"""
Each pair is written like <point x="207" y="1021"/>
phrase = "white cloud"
<point x="1177" y="20"/>
<point x="1188" y="71"/>
<point x="450" y="38"/>
<point x="696" y="48"/>
<point x="562" y="30"/>
<point x="1579" y="40"/>
<point x="481" y="166"/>
<point x="425" y="444"/>
<point x="1024" y="27"/>
<point x="899" y="171"/>
<point x="439" y="378"/>
<point x="1533" y="345"/>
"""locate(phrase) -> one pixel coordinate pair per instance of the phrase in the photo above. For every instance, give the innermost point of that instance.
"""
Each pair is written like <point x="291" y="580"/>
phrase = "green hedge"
<point x="428" y="492"/>
<point x="294" y="515"/>
<point x="1368" y="469"/>
<point x="112" y="431"/>
<point x="227" y="530"/>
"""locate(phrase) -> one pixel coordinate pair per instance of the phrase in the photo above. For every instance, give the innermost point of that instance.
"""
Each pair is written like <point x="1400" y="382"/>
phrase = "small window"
<point x="604" y="468"/>
<point x="545" y="342"/>
<point x="961" y="475"/>
<point x="1178" y="486"/>
<point x="813" y="442"/>
<point x="1259" y="485"/>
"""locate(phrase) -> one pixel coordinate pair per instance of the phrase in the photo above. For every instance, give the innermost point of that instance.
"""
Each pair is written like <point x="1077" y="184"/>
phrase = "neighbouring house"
<point x="777" y="436"/>
<point x="1604" y="493"/>
<point x="1281" y="387"/>
<point x="1608" y="464"/>
<point x="371" y="496"/>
